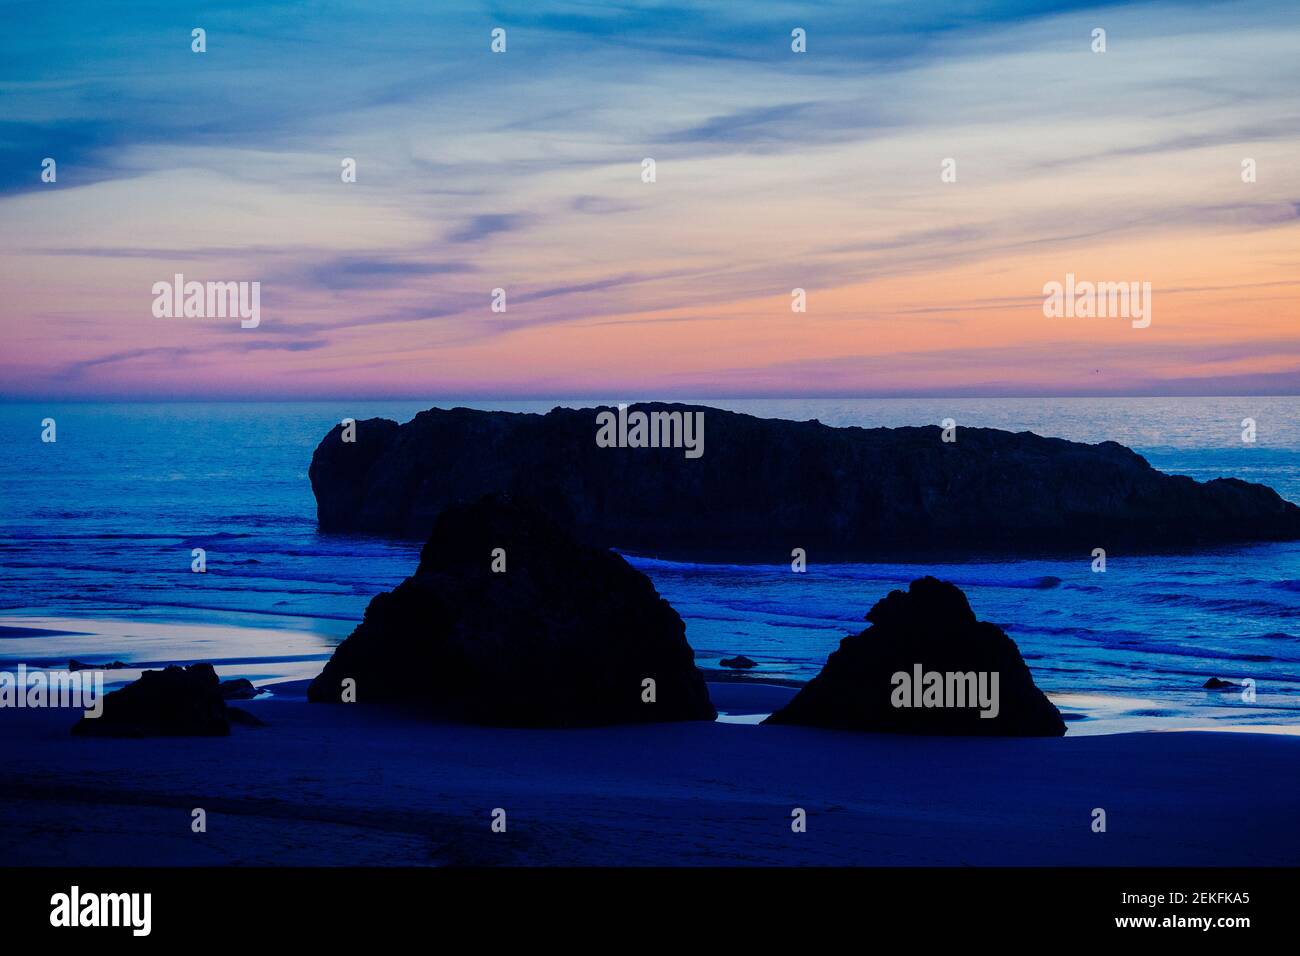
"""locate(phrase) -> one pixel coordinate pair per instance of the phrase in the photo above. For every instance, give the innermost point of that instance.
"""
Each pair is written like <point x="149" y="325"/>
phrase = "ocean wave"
<point x="898" y="577"/>
<point x="214" y="536"/>
<point x="1232" y="605"/>
<point x="1192" y="650"/>
<point x="785" y="611"/>
<point x="1022" y="627"/>
<point x="88" y="536"/>
<point x="1042" y="582"/>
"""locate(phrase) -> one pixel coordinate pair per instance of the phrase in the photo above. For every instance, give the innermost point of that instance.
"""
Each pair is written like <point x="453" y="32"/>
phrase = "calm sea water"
<point x="97" y="530"/>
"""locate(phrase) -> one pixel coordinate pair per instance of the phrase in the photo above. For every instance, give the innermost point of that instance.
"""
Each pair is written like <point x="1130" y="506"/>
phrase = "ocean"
<point x="98" y="530"/>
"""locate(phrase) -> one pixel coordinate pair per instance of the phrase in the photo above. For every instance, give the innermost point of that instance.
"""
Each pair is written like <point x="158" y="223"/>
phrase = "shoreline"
<point x="281" y="655"/>
<point x="344" y="784"/>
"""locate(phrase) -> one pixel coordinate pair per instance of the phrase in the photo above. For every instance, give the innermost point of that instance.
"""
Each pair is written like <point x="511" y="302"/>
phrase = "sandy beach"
<point x="366" y="785"/>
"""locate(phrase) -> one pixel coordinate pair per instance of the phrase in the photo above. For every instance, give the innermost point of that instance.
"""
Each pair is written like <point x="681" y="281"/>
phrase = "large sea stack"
<point x="762" y="487"/>
<point x="926" y="665"/>
<point x="509" y="621"/>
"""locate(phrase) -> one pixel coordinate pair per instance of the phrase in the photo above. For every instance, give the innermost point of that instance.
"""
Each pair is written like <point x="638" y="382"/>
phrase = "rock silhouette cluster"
<point x="76" y="665"/>
<point x="929" y="628"/>
<point x="510" y="621"/>
<point x="765" y="486"/>
<point x="173" y="702"/>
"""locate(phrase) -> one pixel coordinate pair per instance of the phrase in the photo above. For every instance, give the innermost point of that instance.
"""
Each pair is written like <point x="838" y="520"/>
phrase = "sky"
<point x="523" y="171"/>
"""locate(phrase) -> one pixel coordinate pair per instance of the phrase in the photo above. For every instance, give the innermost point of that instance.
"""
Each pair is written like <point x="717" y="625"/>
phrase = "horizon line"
<point x="604" y="397"/>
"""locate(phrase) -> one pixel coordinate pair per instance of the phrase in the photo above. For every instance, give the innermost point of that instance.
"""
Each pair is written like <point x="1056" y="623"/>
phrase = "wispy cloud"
<point x="522" y="171"/>
<point x="480" y="227"/>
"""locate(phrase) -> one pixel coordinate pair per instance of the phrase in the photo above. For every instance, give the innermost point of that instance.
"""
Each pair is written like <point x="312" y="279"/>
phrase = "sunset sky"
<point x="775" y="170"/>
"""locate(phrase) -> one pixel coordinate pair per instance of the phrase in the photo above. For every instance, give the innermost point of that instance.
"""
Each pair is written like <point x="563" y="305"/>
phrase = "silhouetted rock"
<point x="927" y="629"/>
<point x="239" y="688"/>
<point x="350" y="465"/>
<point x="565" y="636"/>
<point x="766" y="486"/>
<point x="1215" y="684"/>
<point x="76" y="665"/>
<point x="175" y="702"/>
<point x="740" y="661"/>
